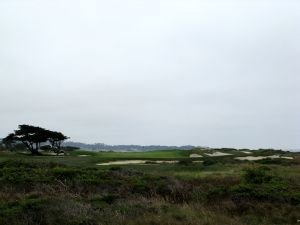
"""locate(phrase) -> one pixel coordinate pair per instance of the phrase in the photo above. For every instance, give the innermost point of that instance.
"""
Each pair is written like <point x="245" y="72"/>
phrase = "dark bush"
<point x="257" y="175"/>
<point x="185" y="162"/>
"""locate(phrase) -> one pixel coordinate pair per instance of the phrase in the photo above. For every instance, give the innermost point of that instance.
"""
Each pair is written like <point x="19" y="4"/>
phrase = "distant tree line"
<point x="105" y="147"/>
<point x="33" y="138"/>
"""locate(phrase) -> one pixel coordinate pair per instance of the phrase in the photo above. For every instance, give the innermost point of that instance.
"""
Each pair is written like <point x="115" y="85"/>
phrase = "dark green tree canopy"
<point x="32" y="137"/>
<point x="56" y="139"/>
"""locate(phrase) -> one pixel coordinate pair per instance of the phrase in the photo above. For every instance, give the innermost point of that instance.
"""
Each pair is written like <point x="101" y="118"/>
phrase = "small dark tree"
<point x="56" y="139"/>
<point x="9" y="140"/>
<point x="32" y="137"/>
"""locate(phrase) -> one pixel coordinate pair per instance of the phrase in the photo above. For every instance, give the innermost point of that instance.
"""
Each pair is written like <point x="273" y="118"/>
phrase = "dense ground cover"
<point x="73" y="190"/>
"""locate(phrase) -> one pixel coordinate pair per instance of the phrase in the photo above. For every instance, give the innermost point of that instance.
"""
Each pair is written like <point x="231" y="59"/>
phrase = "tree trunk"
<point x="33" y="149"/>
<point x="29" y="146"/>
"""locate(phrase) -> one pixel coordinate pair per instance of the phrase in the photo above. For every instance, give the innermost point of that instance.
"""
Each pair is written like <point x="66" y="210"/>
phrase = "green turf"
<point x="224" y="165"/>
<point x="137" y="155"/>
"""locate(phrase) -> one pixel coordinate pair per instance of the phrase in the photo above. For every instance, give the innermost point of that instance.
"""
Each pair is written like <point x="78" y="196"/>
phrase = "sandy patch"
<point x="273" y="156"/>
<point x="254" y="158"/>
<point x="123" y="162"/>
<point x="195" y="156"/>
<point x="251" y="158"/>
<point x="127" y="162"/>
<point x="83" y="155"/>
<point x="246" y="152"/>
<point x="287" y="157"/>
<point x="217" y="154"/>
<point x="160" y="162"/>
<point x="168" y="162"/>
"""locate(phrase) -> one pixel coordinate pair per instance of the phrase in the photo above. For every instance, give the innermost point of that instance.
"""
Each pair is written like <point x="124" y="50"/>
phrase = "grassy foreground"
<point x="73" y="190"/>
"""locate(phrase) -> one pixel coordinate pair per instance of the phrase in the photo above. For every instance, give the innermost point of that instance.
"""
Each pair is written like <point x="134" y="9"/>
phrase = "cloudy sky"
<point x="204" y="72"/>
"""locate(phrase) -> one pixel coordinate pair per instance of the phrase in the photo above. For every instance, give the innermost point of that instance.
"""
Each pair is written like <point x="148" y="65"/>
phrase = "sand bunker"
<point x="83" y="155"/>
<point x="251" y="158"/>
<point x="197" y="161"/>
<point x="217" y="154"/>
<point x="287" y="157"/>
<point x="173" y="161"/>
<point x="127" y="162"/>
<point x="195" y="156"/>
<point x="123" y="162"/>
<point x="246" y="152"/>
<point x="273" y="156"/>
<point x="254" y="158"/>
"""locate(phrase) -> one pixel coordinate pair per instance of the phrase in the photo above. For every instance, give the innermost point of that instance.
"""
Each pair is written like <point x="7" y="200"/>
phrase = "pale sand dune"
<point x="254" y="158"/>
<point x="127" y="162"/>
<point x="246" y="152"/>
<point x="123" y="162"/>
<point x="217" y="154"/>
<point x="173" y="161"/>
<point x="251" y="158"/>
<point x="273" y="156"/>
<point x="195" y="156"/>
<point x="287" y="157"/>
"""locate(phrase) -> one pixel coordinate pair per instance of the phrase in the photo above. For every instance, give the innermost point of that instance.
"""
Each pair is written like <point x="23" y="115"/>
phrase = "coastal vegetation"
<point x="73" y="189"/>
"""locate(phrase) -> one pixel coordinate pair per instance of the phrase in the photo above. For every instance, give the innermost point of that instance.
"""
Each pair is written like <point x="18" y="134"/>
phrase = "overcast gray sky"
<point x="175" y="72"/>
